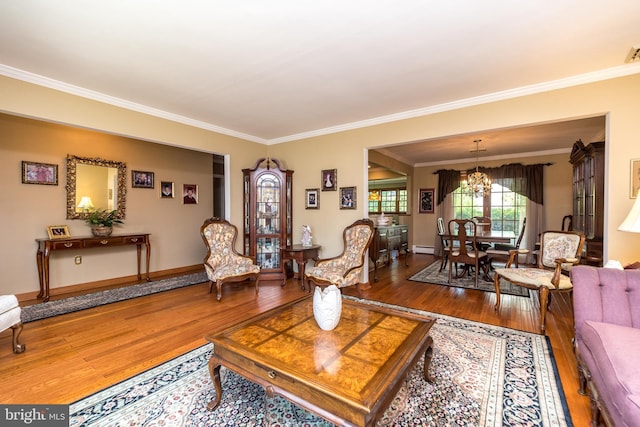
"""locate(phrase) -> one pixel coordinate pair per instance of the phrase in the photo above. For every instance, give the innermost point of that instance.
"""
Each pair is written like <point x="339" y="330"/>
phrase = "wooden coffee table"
<point x="348" y="375"/>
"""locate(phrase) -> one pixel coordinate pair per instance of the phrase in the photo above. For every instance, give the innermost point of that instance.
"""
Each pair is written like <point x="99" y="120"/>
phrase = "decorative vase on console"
<point x="101" y="222"/>
<point x="327" y="307"/>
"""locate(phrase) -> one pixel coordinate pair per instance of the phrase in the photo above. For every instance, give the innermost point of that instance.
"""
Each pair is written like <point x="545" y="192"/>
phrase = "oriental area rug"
<point x="431" y="274"/>
<point x="484" y="376"/>
<point x="81" y="302"/>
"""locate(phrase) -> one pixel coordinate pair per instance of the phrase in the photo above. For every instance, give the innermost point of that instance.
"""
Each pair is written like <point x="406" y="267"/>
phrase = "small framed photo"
<point x="58" y="232"/>
<point x="141" y="179"/>
<point x="426" y="200"/>
<point x="190" y="194"/>
<point x="635" y="178"/>
<point x="166" y="190"/>
<point x="39" y="173"/>
<point x="347" y="197"/>
<point x="312" y="201"/>
<point x="329" y="179"/>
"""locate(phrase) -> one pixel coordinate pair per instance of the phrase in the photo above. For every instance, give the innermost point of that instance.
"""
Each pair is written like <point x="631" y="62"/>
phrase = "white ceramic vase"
<point x="327" y="307"/>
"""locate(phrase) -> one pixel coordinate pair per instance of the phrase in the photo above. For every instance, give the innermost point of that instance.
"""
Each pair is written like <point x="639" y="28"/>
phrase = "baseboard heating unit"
<point x="420" y="249"/>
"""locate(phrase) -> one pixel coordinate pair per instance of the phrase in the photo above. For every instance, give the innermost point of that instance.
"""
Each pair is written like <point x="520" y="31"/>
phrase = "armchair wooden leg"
<point x="543" y="294"/>
<point x="496" y="282"/>
<point x="17" y="330"/>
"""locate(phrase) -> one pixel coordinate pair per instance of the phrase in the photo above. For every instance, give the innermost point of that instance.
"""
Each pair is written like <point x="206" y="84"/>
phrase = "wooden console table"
<point x="46" y="246"/>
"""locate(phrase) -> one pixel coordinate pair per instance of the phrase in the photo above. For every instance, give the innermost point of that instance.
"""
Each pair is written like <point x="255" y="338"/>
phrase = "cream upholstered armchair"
<point x="559" y="251"/>
<point x="10" y="318"/>
<point x="223" y="263"/>
<point x="346" y="268"/>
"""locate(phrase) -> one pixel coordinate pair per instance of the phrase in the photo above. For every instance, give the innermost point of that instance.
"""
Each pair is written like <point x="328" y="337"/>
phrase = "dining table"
<point x="491" y="236"/>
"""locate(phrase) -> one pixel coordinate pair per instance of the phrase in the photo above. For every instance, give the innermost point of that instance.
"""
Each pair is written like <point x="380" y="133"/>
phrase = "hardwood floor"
<point x="71" y="356"/>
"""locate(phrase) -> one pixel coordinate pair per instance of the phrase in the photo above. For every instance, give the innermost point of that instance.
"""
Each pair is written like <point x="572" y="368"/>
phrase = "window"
<point x="506" y="208"/>
<point x="388" y="200"/>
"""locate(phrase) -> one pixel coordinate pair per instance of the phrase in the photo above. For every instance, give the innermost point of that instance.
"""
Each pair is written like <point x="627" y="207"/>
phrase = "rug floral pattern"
<point x="484" y="376"/>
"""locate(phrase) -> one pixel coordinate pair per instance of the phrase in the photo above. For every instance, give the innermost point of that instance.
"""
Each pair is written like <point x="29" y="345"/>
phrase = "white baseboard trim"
<point x="421" y="249"/>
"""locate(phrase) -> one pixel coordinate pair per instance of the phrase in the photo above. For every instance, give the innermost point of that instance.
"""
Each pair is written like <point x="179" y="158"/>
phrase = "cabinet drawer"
<point x="66" y="244"/>
<point x="134" y="240"/>
<point x="105" y="241"/>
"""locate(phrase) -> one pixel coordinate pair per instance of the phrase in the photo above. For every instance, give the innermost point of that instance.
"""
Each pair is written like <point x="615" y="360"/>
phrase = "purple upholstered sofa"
<point x="606" y="304"/>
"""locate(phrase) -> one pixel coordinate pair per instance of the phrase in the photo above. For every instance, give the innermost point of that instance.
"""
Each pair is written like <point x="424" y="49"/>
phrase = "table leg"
<point x="428" y="355"/>
<point x="214" y="371"/>
<point x="39" y="261"/>
<point x="148" y="247"/>
<point x="45" y="275"/>
<point x="139" y="250"/>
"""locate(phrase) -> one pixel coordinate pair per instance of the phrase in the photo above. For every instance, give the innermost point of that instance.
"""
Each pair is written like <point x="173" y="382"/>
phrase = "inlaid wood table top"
<point x="348" y="375"/>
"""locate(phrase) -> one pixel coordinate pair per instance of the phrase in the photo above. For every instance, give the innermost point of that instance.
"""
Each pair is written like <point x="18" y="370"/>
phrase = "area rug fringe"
<point x="484" y="376"/>
<point x="81" y="302"/>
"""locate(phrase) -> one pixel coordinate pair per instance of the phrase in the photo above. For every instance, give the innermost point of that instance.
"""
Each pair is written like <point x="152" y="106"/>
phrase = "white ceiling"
<point x="272" y="71"/>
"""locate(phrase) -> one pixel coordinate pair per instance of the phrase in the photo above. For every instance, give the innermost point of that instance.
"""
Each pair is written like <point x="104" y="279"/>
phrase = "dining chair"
<point x="461" y="249"/>
<point x="483" y="225"/>
<point x="223" y="263"/>
<point x="501" y="251"/>
<point x="559" y="251"/>
<point x="444" y="241"/>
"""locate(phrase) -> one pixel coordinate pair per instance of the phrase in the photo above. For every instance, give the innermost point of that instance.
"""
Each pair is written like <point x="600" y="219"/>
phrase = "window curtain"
<point x="526" y="180"/>
<point x="444" y="211"/>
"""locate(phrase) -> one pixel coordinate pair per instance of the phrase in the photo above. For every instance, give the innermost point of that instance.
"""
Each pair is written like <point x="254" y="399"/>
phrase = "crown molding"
<point x="501" y="157"/>
<point x="119" y="102"/>
<point x="610" y="73"/>
<point x="620" y="71"/>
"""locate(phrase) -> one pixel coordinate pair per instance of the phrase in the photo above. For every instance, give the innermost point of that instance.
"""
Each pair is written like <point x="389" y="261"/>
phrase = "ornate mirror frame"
<point x="72" y="162"/>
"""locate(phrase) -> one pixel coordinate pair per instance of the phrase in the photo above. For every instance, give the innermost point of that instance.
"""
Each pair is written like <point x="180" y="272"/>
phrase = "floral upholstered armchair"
<point x="346" y="268"/>
<point x="559" y="251"/>
<point x="223" y="263"/>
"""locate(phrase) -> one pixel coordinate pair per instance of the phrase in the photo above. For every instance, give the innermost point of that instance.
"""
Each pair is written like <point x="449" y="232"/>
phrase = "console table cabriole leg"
<point x="39" y="255"/>
<point x="148" y="244"/>
<point x="428" y="355"/>
<point x="139" y="249"/>
<point x="214" y="371"/>
<point x="45" y="275"/>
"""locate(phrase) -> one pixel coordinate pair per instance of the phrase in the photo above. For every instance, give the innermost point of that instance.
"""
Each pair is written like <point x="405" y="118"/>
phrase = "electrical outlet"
<point x="78" y="260"/>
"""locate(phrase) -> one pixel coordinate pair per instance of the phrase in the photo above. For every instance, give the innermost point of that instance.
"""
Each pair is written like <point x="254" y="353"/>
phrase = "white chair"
<point x="10" y="318"/>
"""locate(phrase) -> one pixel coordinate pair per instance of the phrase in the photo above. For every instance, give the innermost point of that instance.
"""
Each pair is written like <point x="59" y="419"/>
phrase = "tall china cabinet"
<point x="268" y="211"/>
<point x="588" y="197"/>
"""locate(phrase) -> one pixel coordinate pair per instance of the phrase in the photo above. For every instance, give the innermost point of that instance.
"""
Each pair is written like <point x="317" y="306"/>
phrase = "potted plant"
<point x="101" y="222"/>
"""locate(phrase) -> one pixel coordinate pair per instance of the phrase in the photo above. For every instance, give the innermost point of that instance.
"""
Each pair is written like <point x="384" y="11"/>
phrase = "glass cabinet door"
<point x="268" y="188"/>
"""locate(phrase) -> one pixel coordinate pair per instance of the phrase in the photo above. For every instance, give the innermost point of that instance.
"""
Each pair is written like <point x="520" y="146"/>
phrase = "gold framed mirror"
<point x="94" y="183"/>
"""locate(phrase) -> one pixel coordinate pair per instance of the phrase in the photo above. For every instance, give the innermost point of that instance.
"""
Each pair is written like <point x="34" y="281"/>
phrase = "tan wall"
<point x="344" y="151"/>
<point x="617" y="98"/>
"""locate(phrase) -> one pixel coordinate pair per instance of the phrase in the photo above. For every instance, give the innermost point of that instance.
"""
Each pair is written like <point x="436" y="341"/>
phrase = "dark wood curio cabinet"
<point x="588" y="197"/>
<point x="268" y="210"/>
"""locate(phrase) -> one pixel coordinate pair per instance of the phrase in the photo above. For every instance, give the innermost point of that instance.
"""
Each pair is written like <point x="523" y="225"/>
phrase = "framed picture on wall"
<point x="312" y="200"/>
<point x="635" y="178"/>
<point x="426" y="198"/>
<point x="141" y="179"/>
<point x="166" y="190"/>
<point x="39" y="173"/>
<point x="329" y="179"/>
<point x="190" y="194"/>
<point x="347" y="197"/>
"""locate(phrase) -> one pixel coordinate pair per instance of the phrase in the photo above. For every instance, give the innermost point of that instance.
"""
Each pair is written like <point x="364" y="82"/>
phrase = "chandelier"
<point x="477" y="182"/>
